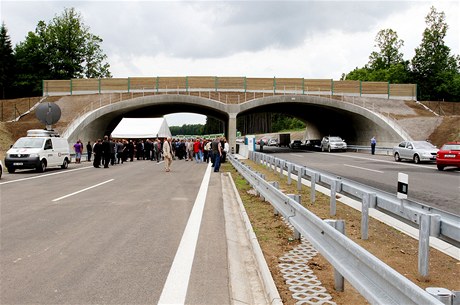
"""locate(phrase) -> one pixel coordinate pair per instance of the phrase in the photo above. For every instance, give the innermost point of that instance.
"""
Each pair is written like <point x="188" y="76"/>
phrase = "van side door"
<point x="49" y="153"/>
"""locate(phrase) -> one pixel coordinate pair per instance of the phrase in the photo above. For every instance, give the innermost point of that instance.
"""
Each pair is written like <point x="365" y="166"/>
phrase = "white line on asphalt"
<point x="46" y="175"/>
<point x="176" y="285"/>
<point x="363" y="168"/>
<point x="386" y="161"/>
<point x="80" y="191"/>
<point x="296" y="155"/>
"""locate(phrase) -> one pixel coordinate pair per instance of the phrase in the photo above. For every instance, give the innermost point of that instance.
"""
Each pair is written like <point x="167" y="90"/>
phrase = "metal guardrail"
<point x="376" y="281"/>
<point x="378" y="150"/>
<point x="444" y="225"/>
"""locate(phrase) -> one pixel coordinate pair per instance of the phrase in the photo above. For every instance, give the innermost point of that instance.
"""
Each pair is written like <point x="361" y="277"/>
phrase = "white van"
<point x="39" y="150"/>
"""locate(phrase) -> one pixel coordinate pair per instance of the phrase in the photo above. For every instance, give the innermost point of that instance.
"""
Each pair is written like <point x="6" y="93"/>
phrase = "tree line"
<point x="433" y="68"/>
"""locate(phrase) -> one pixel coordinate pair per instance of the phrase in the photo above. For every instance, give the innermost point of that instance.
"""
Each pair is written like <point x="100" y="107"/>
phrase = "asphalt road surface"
<point x="122" y="235"/>
<point x="427" y="185"/>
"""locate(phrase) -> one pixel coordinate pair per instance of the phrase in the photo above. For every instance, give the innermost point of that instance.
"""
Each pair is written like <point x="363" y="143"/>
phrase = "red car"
<point x="448" y="155"/>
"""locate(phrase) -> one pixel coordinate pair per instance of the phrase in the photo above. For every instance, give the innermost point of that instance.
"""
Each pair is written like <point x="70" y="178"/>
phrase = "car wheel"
<point x="41" y="167"/>
<point x="416" y="159"/>
<point x="440" y="167"/>
<point x="397" y="158"/>
<point x="65" y="164"/>
<point x="11" y="170"/>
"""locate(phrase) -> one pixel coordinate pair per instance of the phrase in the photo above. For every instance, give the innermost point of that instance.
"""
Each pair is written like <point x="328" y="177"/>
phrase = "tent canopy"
<point x="141" y="128"/>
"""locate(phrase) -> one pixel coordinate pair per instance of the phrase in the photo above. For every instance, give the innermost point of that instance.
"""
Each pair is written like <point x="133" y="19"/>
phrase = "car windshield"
<point x="424" y="145"/>
<point x="335" y="139"/>
<point x="28" y="143"/>
<point x="451" y="147"/>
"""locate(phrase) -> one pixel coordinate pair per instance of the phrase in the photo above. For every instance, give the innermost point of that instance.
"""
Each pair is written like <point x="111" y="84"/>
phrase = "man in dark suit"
<point x="106" y="151"/>
<point x="97" y="153"/>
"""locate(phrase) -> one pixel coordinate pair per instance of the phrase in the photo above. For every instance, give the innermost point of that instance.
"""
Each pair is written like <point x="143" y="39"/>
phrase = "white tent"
<point x="141" y="128"/>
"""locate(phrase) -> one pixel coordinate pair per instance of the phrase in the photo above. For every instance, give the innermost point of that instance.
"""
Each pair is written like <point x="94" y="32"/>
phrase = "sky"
<point x="299" y="39"/>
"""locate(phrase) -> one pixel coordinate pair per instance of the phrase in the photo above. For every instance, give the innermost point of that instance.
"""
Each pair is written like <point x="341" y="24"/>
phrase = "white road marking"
<point x="45" y="175"/>
<point x="175" y="289"/>
<point x="386" y="161"/>
<point x="298" y="156"/>
<point x="363" y="168"/>
<point x="80" y="191"/>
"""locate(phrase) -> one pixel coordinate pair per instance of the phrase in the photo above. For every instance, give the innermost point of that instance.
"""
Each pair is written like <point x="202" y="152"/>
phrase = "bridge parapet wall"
<point x="245" y="85"/>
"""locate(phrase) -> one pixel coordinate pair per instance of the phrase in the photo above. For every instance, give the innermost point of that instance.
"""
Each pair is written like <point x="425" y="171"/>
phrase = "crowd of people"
<point x="108" y="151"/>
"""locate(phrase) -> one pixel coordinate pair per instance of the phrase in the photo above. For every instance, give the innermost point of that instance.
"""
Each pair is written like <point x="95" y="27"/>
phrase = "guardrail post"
<point x="313" y="179"/>
<point x="299" y="178"/>
<point x="336" y="185"/>
<point x="365" y="216"/>
<point x="289" y="179"/>
<point x="276" y="185"/>
<point x="339" y="225"/>
<point x="429" y="224"/>
<point x="424" y="245"/>
<point x="282" y="168"/>
<point x="297" y="198"/>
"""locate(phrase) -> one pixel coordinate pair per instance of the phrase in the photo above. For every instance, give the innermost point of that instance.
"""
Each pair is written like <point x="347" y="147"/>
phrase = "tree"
<point x="6" y="62"/>
<point x="386" y="65"/>
<point x="62" y="49"/>
<point x="389" y="44"/>
<point x="433" y="68"/>
<point x="32" y="64"/>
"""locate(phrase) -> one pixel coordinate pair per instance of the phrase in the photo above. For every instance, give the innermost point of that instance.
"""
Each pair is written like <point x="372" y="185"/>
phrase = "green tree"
<point x="213" y="126"/>
<point x="389" y="50"/>
<point x="385" y="65"/>
<point x="31" y="63"/>
<point x="62" y="49"/>
<point x="6" y="63"/>
<point x="434" y="69"/>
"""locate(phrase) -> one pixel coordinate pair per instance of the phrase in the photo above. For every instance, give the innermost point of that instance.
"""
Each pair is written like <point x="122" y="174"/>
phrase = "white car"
<point x="416" y="151"/>
<point x="273" y="142"/>
<point x="333" y="143"/>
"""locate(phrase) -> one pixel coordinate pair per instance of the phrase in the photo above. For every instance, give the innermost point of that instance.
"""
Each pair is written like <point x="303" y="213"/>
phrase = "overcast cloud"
<point x="310" y="39"/>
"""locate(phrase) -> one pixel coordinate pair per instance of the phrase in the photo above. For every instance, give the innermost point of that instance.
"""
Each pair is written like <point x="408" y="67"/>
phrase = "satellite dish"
<point x="48" y="114"/>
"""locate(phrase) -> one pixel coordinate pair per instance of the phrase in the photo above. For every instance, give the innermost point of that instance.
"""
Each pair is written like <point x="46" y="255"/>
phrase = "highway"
<point x="135" y="234"/>
<point x="427" y="185"/>
<point x="113" y="236"/>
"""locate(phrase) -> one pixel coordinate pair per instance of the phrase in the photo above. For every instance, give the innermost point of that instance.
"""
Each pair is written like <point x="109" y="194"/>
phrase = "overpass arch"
<point x="325" y="116"/>
<point x="96" y="123"/>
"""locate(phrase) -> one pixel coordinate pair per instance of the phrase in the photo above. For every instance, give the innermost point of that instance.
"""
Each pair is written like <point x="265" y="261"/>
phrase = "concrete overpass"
<point x="322" y="115"/>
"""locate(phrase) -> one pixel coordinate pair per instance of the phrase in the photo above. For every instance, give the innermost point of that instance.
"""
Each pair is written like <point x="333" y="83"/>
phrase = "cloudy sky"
<point x="309" y="39"/>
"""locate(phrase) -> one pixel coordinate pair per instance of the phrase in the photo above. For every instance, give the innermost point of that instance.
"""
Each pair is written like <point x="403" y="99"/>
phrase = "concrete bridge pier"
<point x="232" y="132"/>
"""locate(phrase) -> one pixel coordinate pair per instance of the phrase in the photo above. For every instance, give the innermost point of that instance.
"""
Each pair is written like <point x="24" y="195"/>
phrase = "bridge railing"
<point x="230" y="84"/>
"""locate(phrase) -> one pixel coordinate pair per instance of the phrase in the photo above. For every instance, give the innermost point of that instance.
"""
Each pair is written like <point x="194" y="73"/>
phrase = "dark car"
<point x="313" y="144"/>
<point x="448" y="155"/>
<point x="295" y="144"/>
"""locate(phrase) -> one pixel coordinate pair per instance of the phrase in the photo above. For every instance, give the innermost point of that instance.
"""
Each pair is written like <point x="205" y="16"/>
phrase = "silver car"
<point x="333" y="143"/>
<point x="416" y="151"/>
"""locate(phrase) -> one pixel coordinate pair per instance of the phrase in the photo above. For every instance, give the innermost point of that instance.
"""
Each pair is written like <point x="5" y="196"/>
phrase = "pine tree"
<point x="6" y="63"/>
